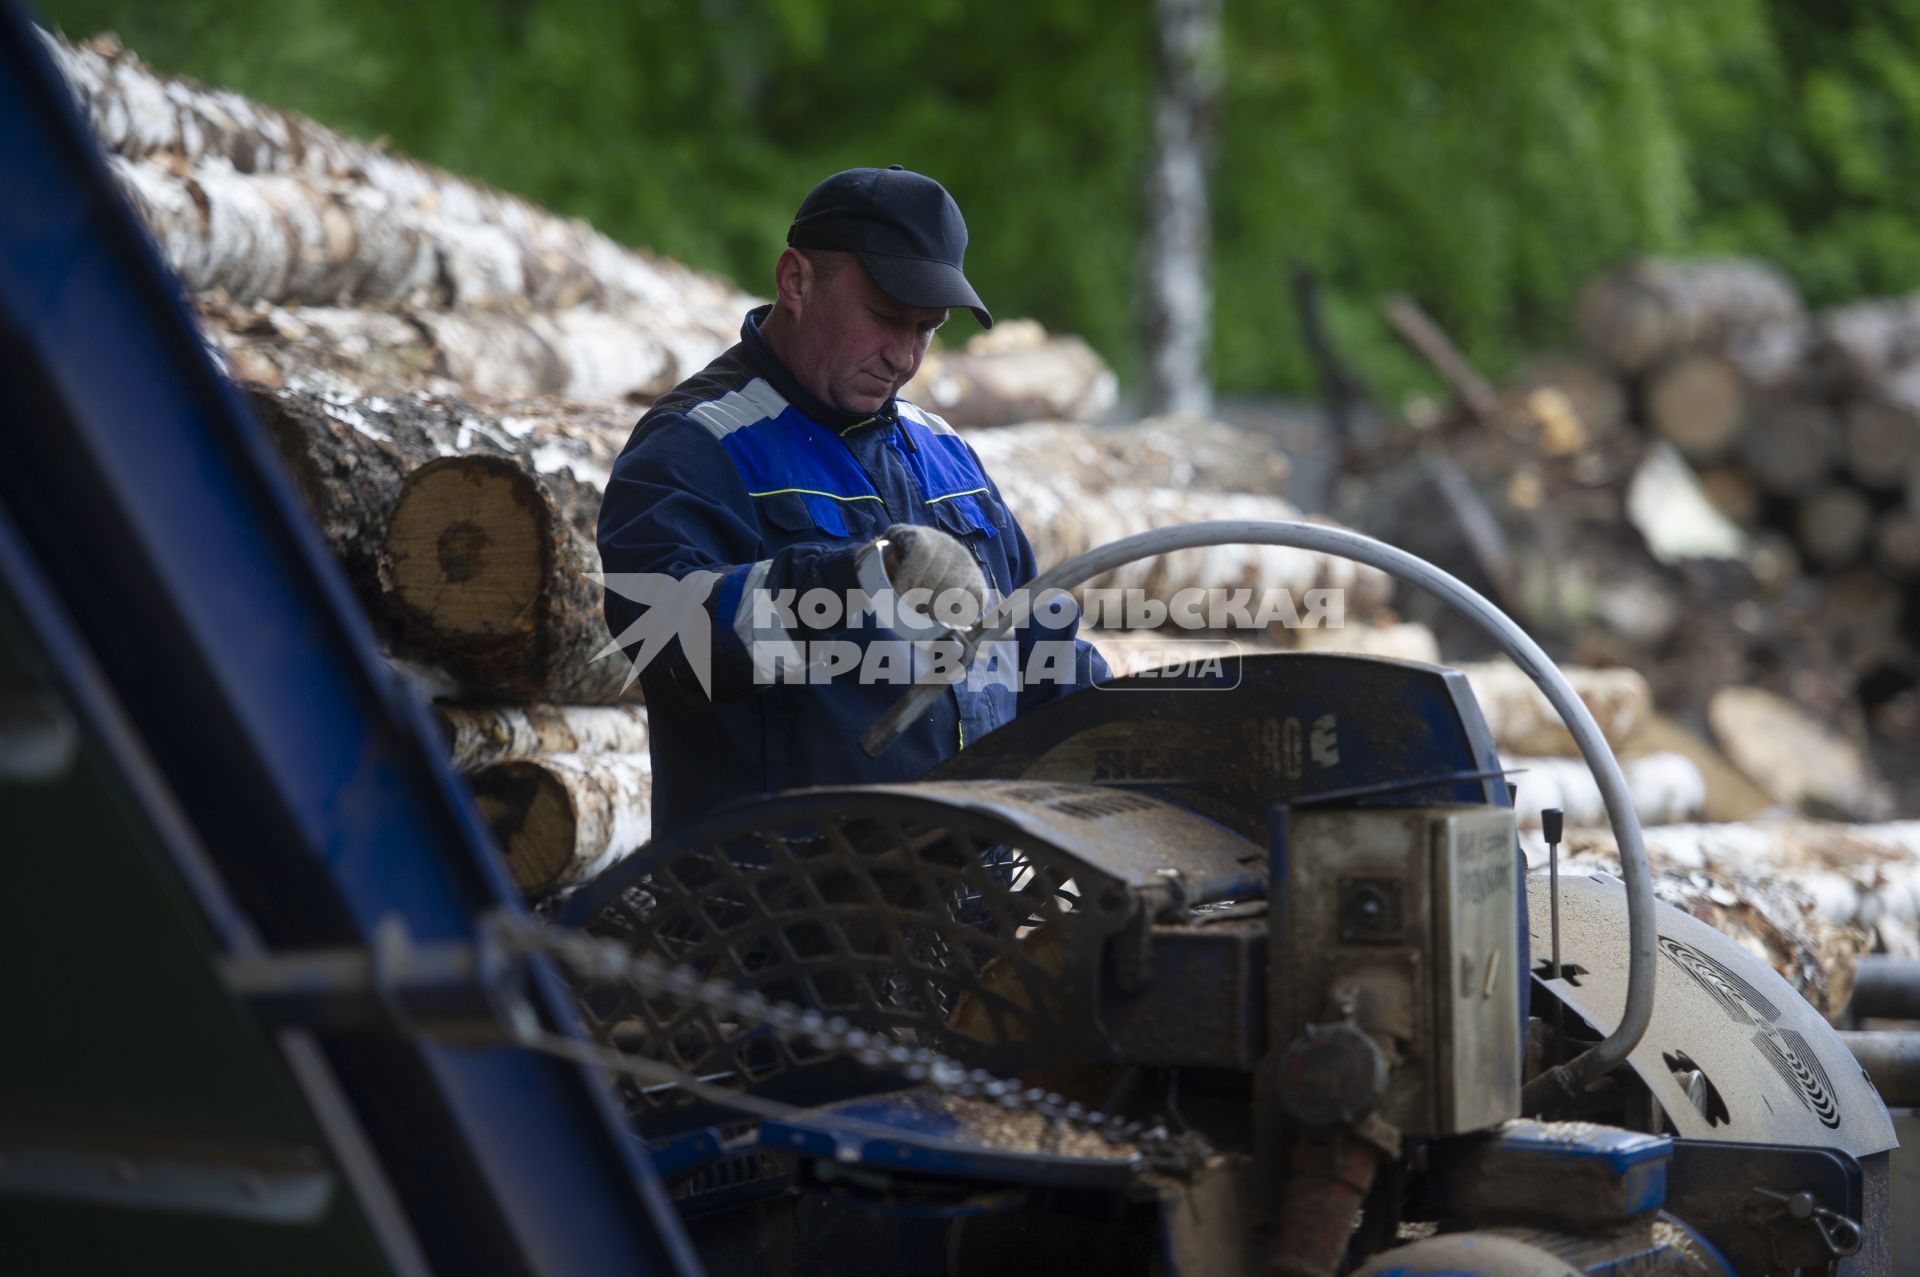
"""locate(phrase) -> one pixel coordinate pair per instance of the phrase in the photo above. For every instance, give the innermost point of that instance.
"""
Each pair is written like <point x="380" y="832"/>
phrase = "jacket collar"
<point x="760" y="354"/>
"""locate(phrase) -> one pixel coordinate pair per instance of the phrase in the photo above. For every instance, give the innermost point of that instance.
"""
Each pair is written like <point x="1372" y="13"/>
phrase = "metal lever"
<point x="1842" y="1235"/>
<point x="1550" y="829"/>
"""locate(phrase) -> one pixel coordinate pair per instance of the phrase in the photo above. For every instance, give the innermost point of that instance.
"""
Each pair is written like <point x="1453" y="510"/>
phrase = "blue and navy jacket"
<point x="739" y="472"/>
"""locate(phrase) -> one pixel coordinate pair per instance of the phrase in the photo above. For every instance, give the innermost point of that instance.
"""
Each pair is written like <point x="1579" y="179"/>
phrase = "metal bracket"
<point x="468" y="992"/>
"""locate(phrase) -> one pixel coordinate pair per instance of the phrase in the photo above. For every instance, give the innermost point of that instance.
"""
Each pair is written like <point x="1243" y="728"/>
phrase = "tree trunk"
<point x="485" y="568"/>
<point x="411" y="232"/>
<point x="348" y="474"/>
<point x="1802" y="924"/>
<point x="1178" y="302"/>
<point x="491" y="571"/>
<point x="1160" y="452"/>
<point x="1523" y="722"/>
<point x="563" y="818"/>
<point x="349" y="456"/>
<point x="1777" y="920"/>
<point x="1019" y="374"/>
<point x="284" y="238"/>
<point x="586" y="356"/>
<point x="480" y="736"/>
<point x="1666" y="789"/>
<point x="1653" y="308"/>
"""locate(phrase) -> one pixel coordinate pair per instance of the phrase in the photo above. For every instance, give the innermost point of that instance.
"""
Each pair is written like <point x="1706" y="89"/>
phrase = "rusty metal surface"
<point x="1779" y="1071"/>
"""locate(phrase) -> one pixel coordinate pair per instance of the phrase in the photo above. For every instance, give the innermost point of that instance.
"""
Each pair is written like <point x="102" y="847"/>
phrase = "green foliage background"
<point x="1485" y="155"/>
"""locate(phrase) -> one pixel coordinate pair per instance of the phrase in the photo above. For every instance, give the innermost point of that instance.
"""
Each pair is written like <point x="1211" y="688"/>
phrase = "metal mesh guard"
<point x="942" y="926"/>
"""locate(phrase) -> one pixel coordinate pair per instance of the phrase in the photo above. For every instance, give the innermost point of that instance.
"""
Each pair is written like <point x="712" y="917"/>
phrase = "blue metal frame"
<point x="158" y="525"/>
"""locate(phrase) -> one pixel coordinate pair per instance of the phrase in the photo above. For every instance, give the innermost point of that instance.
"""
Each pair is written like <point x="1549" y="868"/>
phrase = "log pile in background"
<point x="1643" y="314"/>
<point x="1712" y="521"/>
<point x="1807" y="428"/>
<point x="1015" y="372"/>
<point x="1805" y="431"/>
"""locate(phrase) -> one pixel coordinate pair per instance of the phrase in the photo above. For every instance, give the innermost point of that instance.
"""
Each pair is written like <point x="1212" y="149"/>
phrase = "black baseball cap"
<point x="905" y="229"/>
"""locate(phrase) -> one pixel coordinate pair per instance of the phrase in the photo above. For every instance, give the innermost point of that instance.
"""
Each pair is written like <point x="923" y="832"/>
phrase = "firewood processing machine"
<point x="1227" y="971"/>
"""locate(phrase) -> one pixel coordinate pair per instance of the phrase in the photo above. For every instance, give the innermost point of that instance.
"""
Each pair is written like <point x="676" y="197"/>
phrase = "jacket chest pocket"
<point x="966" y="519"/>
<point x="794" y="518"/>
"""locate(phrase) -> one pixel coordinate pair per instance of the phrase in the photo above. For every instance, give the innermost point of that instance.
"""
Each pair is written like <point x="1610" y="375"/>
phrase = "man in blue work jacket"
<point x="788" y="469"/>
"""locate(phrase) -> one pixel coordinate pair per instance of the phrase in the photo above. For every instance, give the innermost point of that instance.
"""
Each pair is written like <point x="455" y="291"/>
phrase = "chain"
<point x="600" y="960"/>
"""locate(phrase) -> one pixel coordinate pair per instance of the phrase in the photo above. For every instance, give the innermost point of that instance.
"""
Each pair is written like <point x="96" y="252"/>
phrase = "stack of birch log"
<point x="1598" y="501"/>
<point x="1805" y="424"/>
<point x="1803" y="429"/>
<point x="450" y="373"/>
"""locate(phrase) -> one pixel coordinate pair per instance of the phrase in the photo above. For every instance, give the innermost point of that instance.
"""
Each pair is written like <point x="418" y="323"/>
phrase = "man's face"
<point x="853" y="346"/>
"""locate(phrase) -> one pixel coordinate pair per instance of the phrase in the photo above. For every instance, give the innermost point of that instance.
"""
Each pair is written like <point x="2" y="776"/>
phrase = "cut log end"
<point x="1882" y="441"/>
<point x="532" y="819"/>
<point x="1698" y="403"/>
<point x="1834" y="526"/>
<point x="463" y="548"/>
<point x="1791" y="446"/>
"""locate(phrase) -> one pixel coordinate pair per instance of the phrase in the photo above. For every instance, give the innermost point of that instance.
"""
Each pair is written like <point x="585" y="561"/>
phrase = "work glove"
<point x="921" y="558"/>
